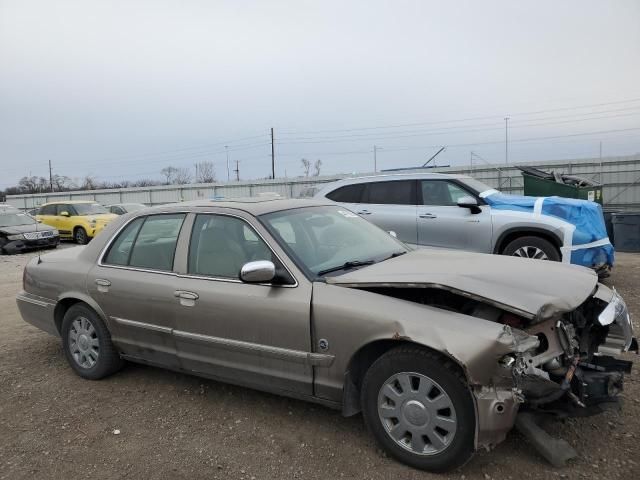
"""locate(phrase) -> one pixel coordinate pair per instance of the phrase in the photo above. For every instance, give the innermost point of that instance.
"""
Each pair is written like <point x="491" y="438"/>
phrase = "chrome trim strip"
<point x="186" y="275"/>
<point x="298" y="356"/>
<point x="40" y="303"/>
<point x="147" y="326"/>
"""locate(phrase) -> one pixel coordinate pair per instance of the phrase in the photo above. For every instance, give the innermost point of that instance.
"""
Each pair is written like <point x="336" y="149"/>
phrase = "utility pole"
<point x="375" y="158"/>
<point x="273" y="157"/>
<point x="506" y="139"/>
<point x="600" y="162"/>
<point x="196" y="171"/>
<point x="51" y="176"/>
<point x="471" y="162"/>
<point x="226" y="149"/>
<point x="237" y="170"/>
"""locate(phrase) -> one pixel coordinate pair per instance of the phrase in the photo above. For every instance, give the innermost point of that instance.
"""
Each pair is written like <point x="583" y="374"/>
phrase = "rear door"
<point x="47" y="215"/>
<point x="391" y="205"/>
<point x="134" y="284"/>
<point x="442" y="223"/>
<point x="253" y="334"/>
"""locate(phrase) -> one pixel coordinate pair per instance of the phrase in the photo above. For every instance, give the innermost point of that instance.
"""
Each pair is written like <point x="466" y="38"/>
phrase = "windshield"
<point x="15" y="219"/>
<point x="476" y="185"/>
<point x="326" y="238"/>
<point x="89" y="208"/>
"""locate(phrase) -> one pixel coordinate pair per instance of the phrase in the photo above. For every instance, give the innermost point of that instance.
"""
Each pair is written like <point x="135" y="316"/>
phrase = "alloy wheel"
<point x="531" y="252"/>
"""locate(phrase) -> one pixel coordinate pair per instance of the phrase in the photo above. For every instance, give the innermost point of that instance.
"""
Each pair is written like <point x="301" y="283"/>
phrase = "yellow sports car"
<point x="75" y="220"/>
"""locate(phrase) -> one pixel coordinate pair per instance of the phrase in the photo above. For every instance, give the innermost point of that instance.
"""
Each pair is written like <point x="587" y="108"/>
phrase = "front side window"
<point x="147" y="242"/>
<point x="443" y="193"/>
<point x="221" y="245"/>
<point x="63" y="208"/>
<point x="323" y="238"/>
<point x="396" y="192"/>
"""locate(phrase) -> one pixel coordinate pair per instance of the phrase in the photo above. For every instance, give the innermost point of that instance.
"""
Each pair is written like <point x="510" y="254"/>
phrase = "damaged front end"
<point x="573" y="371"/>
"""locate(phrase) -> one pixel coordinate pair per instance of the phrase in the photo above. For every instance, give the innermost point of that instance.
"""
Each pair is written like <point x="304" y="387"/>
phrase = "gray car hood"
<point x="533" y="288"/>
<point x="30" y="227"/>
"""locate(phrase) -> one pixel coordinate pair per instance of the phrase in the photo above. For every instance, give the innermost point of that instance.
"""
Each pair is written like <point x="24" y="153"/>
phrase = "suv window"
<point x="147" y="242"/>
<point x="47" y="210"/>
<point x="220" y="245"/>
<point x="393" y="192"/>
<point x="63" y="208"/>
<point x="347" y="194"/>
<point x="438" y="192"/>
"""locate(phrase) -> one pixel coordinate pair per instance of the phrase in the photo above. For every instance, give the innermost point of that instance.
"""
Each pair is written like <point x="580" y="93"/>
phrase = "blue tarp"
<point x="584" y="215"/>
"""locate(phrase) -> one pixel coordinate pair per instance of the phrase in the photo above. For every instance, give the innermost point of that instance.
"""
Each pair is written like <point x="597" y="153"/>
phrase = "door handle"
<point x="186" y="295"/>
<point x="103" y="285"/>
<point x="364" y="212"/>
<point x="187" y="299"/>
<point x="428" y="215"/>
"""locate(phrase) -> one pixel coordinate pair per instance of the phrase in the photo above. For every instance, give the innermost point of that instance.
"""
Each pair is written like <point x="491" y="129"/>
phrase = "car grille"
<point x="37" y="235"/>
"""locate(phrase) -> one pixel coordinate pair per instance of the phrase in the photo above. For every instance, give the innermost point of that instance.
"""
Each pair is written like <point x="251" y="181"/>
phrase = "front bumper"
<point x="23" y="245"/>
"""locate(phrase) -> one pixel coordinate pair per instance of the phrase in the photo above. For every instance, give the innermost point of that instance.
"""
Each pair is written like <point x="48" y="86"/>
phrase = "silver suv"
<point x="459" y="212"/>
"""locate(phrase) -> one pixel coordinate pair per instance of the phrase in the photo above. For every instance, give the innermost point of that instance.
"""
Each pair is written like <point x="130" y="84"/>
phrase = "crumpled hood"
<point x="533" y="288"/>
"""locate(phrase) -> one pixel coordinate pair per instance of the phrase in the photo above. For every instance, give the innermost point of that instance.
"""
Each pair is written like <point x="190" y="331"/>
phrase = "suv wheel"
<point x="419" y="409"/>
<point x="86" y="342"/>
<point x="532" y="247"/>
<point x="80" y="236"/>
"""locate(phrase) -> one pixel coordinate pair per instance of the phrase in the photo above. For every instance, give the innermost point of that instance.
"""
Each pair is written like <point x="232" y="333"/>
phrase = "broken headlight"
<point x="616" y="316"/>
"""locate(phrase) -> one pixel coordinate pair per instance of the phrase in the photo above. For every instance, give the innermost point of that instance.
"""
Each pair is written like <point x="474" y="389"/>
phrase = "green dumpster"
<point x="542" y="187"/>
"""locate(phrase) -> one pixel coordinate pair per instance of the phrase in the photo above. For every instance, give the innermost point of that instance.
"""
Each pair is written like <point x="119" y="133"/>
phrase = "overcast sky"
<point x="121" y="89"/>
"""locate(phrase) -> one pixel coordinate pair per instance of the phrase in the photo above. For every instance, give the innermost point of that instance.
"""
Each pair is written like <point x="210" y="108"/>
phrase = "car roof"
<point x="255" y="205"/>
<point x="387" y="177"/>
<point x="67" y="202"/>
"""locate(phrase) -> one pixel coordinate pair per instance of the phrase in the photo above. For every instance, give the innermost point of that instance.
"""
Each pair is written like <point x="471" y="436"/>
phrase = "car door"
<point x="253" y="334"/>
<point x="134" y="285"/>
<point x="391" y="205"/>
<point x="47" y="215"/>
<point x="64" y="223"/>
<point x="442" y="223"/>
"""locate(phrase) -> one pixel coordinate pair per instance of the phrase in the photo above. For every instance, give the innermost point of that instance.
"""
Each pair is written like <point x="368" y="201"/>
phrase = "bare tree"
<point x="316" y="167"/>
<point x="144" y="182"/>
<point x="62" y="183"/>
<point x="182" y="176"/>
<point x="205" y="172"/>
<point x="89" y="183"/>
<point x="170" y="173"/>
<point x="306" y="166"/>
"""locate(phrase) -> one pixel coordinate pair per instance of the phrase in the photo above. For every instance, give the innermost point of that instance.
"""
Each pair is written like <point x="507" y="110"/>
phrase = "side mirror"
<point x="64" y="214"/>
<point x="470" y="203"/>
<point x="261" y="271"/>
<point x="393" y="234"/>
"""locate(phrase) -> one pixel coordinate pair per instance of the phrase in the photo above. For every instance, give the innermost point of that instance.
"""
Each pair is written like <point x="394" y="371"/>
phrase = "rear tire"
<point x="532" y="247"/>
<point x="417" y="406"/>
<point x="87" y="345"/>
<point x="80" y="236"/>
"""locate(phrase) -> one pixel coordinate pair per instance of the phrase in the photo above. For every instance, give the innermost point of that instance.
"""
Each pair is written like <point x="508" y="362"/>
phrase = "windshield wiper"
<point x="345" y="265"/>
<point x="396" y="254"/>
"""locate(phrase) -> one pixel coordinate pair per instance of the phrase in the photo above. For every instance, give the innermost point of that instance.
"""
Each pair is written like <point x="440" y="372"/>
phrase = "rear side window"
<point x="347" y="194"/>
<point x="396" y="192"/>
<point x="47" y="210"/>
<point x="147" y="242"/>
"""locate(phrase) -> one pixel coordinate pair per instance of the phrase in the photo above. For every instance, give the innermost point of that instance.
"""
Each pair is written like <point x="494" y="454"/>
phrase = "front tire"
<point x="80" y="236"/>
<point x="532" y="247"/>
<point x="417" y="405"/>
<point x="87" y="345"/>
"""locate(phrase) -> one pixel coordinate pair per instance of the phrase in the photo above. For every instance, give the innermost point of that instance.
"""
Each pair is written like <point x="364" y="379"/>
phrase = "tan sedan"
<point x="438" y="349"/>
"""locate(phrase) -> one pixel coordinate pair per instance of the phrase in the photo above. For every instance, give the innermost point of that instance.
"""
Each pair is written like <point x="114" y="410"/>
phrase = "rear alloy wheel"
<point x="417" y="405"/>
<point x="80" y="236"/>
<point x="532" y="247"/>
<point x="87" y="343"/>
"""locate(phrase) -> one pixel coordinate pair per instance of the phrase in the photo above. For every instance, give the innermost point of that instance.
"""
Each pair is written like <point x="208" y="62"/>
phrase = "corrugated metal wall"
<point x="619" y="175"/>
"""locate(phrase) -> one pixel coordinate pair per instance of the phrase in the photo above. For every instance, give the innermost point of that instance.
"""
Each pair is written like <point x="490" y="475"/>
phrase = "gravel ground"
<point x="150" y="423"/>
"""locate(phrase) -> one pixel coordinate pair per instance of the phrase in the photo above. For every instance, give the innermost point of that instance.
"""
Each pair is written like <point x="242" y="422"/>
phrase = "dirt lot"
<point x="55" y="425"/>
